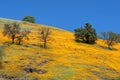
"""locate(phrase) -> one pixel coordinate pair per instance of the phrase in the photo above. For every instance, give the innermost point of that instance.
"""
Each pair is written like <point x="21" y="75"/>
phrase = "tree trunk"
<point x="110" y="44"/>
<point x="13" y="37"/>
<point x="87" y="38"/>
<point x="19" y="42"/>
<point x="87" y="41"/>
<point x="44" y="43"/>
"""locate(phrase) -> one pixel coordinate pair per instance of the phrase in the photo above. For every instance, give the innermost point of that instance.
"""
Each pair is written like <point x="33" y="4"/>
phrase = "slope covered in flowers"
<point x="66" y="59"/>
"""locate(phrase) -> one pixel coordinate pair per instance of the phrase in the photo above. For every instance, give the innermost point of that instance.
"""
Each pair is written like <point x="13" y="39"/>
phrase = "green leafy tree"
<point x="29" y="19"/>
<point x="11" y="30"/>
<point x="86" y="34"/>
<point x="110" y="38"/>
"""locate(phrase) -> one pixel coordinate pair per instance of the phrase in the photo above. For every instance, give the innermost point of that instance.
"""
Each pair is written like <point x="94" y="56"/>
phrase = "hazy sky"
<point x="104" y="15"/>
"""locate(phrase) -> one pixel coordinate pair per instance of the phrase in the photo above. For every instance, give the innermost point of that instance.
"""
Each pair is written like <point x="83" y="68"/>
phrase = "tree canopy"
<point x="86" y="33"/>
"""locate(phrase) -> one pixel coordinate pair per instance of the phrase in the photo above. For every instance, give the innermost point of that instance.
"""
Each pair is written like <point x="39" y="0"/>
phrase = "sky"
<point x="103" y="15"/>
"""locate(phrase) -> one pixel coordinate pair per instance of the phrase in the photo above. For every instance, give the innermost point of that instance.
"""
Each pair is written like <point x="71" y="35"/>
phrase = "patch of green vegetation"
<point x="16" y="76"/>
<point x="62" y="72"/>
<point x="1" y="54"/>
<point x="118" y="78"/>
<point x="56" y="78"/>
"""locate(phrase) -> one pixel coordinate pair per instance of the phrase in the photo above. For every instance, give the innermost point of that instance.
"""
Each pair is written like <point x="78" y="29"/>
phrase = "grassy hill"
<point x="64" y="59"/>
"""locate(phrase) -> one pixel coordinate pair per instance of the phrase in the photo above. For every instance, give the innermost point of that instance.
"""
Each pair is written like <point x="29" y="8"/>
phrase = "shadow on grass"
<point x="81" y="41"/>
<point x="104" y="47"/>
<point x="42" y="46"/>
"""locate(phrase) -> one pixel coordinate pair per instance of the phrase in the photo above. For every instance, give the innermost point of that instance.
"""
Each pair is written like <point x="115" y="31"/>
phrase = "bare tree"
<point x="44" y="33"/>
<point x="110" y="38"/>
<point x="22" y="35"/>
<point x="11" y="30"/>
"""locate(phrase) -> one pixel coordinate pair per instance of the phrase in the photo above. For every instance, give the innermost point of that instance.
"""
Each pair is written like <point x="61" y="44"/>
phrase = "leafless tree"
<point x="22" y="35"/>
<point x="11" y="30"/>
<point x="44" y="33"/>
<point x="110" y="38"/>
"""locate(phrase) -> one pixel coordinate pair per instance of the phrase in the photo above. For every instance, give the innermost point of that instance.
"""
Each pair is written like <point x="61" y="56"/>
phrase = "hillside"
<point x="64" y="59"/>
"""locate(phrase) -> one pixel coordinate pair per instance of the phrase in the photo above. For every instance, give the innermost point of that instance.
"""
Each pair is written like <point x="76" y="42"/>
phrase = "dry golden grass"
<point x="68" y="60"/>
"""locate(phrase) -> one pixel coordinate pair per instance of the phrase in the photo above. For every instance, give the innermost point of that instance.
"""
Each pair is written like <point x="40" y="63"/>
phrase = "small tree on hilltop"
<point x="29" y="19"/>
<point x="87" y="34"/>
<point x="11" y="30"/>
<point x="44" y="33"/>
<point x="110" y="38"/>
